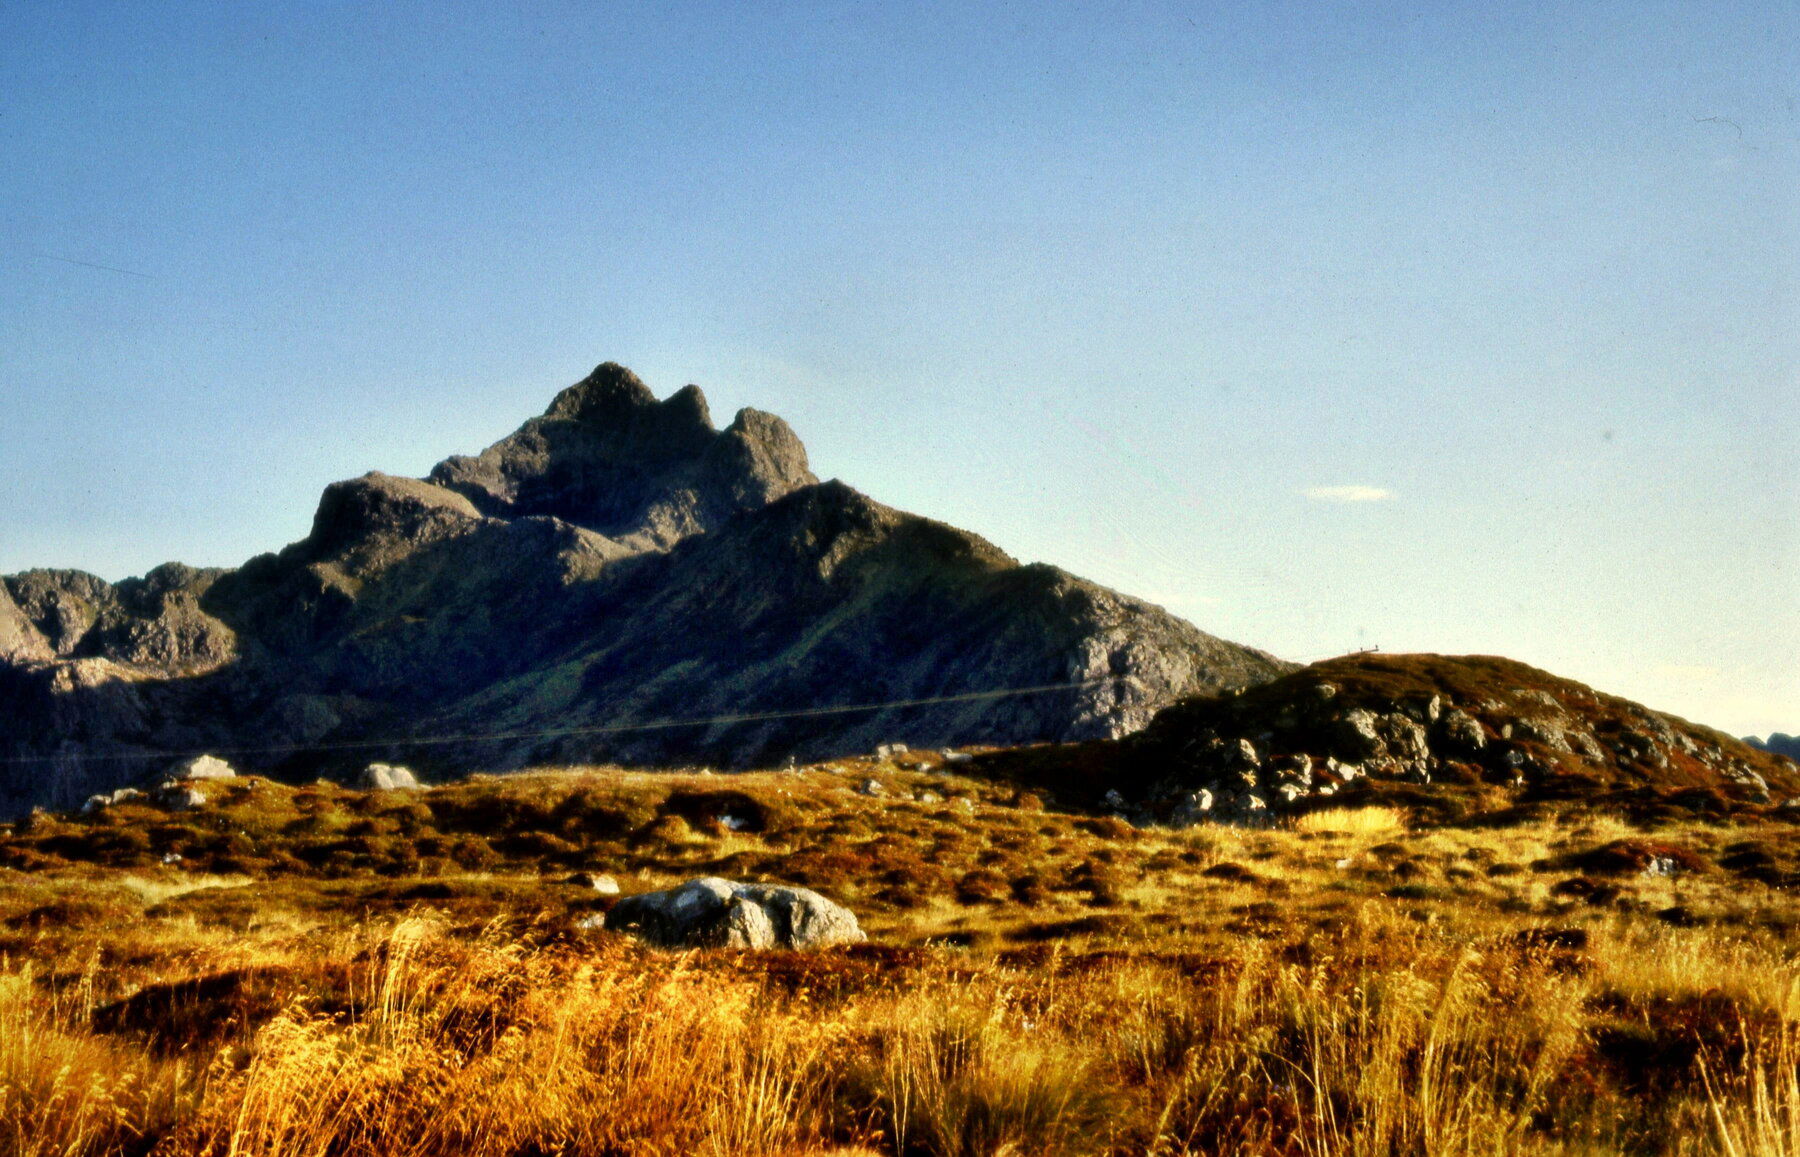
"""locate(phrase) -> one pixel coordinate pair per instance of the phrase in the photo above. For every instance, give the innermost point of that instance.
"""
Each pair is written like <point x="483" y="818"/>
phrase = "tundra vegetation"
<point x="320" y="970"/>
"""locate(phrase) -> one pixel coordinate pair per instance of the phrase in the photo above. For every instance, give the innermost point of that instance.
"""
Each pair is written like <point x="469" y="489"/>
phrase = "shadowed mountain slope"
<point x="615" y="561"/>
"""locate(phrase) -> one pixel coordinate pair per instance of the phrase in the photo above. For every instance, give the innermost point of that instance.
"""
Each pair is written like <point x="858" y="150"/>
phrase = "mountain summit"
<point x="615" y="563"/>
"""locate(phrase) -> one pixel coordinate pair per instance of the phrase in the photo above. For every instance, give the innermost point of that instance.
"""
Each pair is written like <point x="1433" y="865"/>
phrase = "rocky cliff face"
<point x="617" y="561"/>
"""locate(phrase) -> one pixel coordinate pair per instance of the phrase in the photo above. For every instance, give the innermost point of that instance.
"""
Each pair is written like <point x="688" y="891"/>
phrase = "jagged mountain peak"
<point x="608" y="456"/>
<point x="608" y="394"/>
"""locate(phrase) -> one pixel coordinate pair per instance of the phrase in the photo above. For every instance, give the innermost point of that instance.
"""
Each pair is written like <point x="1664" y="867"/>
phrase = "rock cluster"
<point x="715" y="913"/>
<point x="1300" y="740"/>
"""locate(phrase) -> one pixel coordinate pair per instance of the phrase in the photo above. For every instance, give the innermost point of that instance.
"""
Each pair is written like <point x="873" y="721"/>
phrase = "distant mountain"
<point x="616" y="561"/>
<point x="1779" y="743"/>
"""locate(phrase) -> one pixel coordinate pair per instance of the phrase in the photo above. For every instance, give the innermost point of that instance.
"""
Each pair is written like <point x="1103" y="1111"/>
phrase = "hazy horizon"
<point x="1472" y="332"/>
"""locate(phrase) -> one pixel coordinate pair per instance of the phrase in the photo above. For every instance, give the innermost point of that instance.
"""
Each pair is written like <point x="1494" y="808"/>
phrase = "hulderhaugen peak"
<point x="617" y="561"/>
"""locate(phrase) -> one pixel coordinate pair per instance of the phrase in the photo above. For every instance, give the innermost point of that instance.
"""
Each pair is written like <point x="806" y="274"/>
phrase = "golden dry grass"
<point x="1039" y="982"/>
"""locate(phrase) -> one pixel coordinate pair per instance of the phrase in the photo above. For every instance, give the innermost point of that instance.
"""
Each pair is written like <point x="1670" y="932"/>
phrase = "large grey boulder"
<point x="715" y="913"/>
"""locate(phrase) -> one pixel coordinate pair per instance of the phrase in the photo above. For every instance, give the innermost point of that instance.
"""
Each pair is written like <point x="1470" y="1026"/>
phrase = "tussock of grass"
<point x="1351" y="821"/>
<point x="65" y="1090"/>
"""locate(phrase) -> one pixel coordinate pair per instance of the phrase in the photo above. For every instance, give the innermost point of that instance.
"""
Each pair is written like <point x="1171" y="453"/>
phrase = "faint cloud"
<point x="1687" y="673"/>
<point x="1168" y="597"/>
<point x="1348" y="494"/>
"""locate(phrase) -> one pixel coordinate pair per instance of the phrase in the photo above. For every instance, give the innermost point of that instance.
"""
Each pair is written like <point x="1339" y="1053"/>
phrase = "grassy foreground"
<point x="323" y="971"/>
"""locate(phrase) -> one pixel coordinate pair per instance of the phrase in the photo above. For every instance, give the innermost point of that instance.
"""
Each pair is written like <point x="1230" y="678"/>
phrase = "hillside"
<point x="274" y="968"/>
<point x="618" y="560"/>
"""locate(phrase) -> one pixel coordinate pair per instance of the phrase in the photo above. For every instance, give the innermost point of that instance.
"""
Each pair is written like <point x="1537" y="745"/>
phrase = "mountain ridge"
<point x="615" y="559"/>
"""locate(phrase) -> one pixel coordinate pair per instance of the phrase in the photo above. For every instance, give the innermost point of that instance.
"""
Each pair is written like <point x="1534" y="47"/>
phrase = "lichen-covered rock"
<point x="715" y="913"/>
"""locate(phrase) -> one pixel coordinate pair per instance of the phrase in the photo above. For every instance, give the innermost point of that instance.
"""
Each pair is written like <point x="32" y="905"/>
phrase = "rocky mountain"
<point x="1445" y="733"/>
<point x="615" y="562"/>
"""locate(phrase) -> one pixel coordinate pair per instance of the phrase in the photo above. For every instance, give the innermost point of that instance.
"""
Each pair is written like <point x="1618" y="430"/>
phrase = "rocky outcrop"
<point x="618" y="561"/>
<point x="1330" y="730"/>
<point x="715" y="913"/>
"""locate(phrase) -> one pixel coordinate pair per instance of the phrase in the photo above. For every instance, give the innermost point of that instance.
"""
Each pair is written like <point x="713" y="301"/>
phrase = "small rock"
<point x="605" y="885"/>
<point x="887" y="750"/>
<point x="203" y="767"/>
<point x="172" y="858"/>
<point x="929" y="797"/>
<point x="870" y="787"/>
<point x="1249" y="803"/>
<point x="733" y="823"/>
<point x="1293" y="769"/>
<point x="1542" y="731"/>
<point x="957" y="757"/>
<point x="1746" y="778"/>
<point x="1194" y="807"/>
<point x="1464" y="731"/>
<point x="1112" y="798"/>
<point x="388" y="777"/>
<point x="183" y="799"/>
<point x="1357" y="735"/>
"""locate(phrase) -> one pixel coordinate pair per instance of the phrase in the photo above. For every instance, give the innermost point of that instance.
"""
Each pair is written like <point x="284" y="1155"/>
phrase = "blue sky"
<point x="1468" y="328"/>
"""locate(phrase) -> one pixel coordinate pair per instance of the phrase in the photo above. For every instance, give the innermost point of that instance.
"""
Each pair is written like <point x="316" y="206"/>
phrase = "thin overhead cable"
<point x="562" y="732"/>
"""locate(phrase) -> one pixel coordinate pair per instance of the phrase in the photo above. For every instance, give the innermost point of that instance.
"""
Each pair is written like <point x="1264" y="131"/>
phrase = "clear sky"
<point x="1453" y="327"/>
